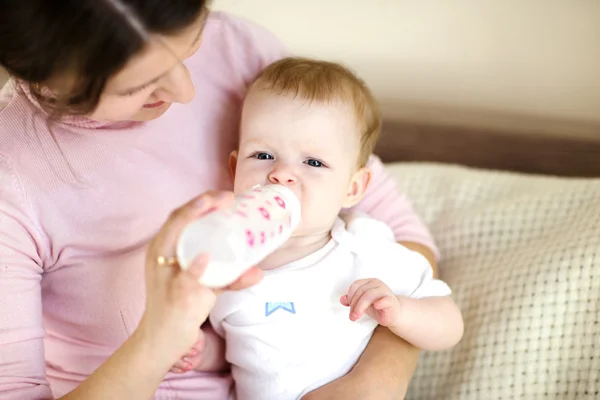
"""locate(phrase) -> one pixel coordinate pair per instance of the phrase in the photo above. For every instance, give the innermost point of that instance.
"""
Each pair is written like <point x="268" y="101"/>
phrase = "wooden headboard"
<point x="512" y="143"/>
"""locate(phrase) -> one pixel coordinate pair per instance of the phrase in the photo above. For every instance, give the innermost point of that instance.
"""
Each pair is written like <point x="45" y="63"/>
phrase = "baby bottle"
<point x="241" y="235"/>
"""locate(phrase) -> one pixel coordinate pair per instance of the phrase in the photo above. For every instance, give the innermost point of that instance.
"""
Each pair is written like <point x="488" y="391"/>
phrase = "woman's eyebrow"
<point x="139" y="87"/>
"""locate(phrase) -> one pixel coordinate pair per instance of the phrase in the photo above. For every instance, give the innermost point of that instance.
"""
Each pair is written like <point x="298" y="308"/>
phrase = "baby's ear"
<point x="233" y="157"/>
<point x="357" y="187"/>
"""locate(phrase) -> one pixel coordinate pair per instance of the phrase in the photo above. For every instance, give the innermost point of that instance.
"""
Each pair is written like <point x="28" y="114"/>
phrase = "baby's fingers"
<point x="194" y="351"/>
<point x="353" y="290"/>
<point x="181" y="366"/>
<point x="362" y="303"/>
<point x="384" y="303"/>
<point x="359" y="304"/>
<point x="384" y="312"/>
<point x="344" y="300"/>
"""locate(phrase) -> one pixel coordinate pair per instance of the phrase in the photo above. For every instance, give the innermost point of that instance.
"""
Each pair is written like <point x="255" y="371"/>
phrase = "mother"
<point x="101" y="137"/>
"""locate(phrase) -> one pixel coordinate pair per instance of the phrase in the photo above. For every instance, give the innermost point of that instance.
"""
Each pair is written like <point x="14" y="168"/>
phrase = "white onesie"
<point x="289" y="334"/>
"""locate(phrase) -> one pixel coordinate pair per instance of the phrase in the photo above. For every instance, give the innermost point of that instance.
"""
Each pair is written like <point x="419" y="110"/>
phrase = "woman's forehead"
<point x="156" y="59"/>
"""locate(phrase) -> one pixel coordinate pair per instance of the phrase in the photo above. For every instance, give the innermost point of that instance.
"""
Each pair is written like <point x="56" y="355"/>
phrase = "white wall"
<point x="529" y="57"/>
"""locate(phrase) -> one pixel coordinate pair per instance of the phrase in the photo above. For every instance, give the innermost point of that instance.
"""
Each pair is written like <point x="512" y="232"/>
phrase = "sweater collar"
<point x="78" y="121"/>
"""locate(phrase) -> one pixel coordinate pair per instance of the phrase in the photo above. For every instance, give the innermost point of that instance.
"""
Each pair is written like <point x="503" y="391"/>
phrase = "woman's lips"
<point x="154" y="105"/>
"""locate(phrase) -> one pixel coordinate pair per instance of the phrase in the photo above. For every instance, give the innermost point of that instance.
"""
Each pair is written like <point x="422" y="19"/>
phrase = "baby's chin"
<point x="307" y="230"/>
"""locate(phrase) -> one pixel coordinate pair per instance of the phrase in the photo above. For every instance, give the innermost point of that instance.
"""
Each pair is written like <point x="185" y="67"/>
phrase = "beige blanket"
<point x="522" y="254"/>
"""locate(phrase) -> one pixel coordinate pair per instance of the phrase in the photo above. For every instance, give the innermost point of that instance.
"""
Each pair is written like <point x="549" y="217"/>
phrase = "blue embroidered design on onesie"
<point x="270" y="308"/>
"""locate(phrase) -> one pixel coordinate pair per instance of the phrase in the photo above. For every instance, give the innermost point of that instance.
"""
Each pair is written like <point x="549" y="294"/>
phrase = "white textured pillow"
<point x="522" y="255"/>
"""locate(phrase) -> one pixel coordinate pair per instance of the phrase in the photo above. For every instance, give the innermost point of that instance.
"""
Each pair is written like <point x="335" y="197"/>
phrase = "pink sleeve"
<point x="22" y="368"/>
<point x="386" y="203"/>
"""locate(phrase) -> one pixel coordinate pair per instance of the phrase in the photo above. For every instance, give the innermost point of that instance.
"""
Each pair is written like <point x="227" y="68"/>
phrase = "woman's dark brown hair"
<point x="86" y="40"/>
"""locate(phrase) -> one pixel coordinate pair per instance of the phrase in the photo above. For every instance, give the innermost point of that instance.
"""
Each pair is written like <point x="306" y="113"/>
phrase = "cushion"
<point x="522" y="255"/>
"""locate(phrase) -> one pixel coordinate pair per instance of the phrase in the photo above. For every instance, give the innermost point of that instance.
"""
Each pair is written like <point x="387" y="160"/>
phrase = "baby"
<point x="311" y="126"/>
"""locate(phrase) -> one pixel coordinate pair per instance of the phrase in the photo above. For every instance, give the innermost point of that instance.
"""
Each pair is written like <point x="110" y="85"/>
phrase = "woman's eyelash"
<point x="132" y="92"/>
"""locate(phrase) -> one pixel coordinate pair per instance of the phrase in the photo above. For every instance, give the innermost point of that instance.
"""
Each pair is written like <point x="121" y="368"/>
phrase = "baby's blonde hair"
<point x="323" y="81"/>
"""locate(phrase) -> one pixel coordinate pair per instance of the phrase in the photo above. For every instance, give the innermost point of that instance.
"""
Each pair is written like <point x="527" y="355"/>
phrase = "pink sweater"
<point x="74" y="226"/>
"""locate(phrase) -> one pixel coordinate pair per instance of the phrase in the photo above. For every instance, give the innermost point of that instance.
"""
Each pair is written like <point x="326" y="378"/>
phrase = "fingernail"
<point x="188" y="366"/>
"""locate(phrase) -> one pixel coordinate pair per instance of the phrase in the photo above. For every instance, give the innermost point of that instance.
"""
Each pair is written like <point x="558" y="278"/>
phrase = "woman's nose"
<point x="177" y="86"/>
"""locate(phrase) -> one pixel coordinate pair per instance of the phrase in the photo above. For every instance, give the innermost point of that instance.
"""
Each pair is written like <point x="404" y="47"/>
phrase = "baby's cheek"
<point x="315" y="212"/>
<point x="248" y="175"/>
<point x="242" y="182"/>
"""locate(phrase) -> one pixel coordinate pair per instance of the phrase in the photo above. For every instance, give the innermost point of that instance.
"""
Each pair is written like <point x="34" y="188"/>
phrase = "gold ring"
<point x="161" y="260"/>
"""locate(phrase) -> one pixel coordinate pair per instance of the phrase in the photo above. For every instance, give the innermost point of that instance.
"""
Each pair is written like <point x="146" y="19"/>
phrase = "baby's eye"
<point x="314" y="163"/>
<point x="263" y="156"/>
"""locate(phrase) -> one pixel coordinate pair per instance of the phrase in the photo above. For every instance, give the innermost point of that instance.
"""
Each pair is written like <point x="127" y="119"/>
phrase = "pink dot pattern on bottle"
<point x="265" y="213"/>
<point x="280" y="201"/>
<point x="252" y="238"/>
<point x="241" y="214"/>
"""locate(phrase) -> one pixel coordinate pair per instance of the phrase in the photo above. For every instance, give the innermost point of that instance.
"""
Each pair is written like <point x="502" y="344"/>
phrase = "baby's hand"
<point x="194" y="357"/>
<point x="375" y="298"/>
<point x="207" y="355"/>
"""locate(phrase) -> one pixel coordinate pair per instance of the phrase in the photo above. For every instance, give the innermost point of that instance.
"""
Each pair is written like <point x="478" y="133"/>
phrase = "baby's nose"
<point x="282" y="176"/>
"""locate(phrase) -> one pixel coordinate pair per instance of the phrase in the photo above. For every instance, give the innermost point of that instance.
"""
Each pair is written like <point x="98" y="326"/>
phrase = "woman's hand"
<point x="176" y="307"/>
<point x="177" y="304"/>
